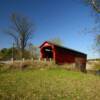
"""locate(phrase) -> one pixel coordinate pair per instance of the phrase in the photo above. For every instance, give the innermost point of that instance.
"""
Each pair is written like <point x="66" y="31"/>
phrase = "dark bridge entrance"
<point x="47" y="52"/>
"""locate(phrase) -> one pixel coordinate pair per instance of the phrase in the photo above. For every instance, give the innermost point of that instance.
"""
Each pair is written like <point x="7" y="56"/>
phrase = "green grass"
<point x="48" y="84"/>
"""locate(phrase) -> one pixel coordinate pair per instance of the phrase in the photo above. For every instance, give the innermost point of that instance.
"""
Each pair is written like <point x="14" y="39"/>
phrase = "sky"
<point x="63" y="19"/>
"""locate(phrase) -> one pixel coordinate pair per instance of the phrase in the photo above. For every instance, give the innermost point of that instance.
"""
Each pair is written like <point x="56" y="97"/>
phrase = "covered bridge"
<point x="61" y="55"/>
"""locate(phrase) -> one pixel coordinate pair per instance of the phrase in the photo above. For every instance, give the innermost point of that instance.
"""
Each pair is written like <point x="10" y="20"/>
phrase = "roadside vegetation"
<point x="46" y="81"/>
<point x="94" y="64"/>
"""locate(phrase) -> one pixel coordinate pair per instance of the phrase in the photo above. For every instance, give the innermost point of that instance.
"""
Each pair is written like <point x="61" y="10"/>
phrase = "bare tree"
<point x="34" y="51"/>
<point x="95" y="4"/>
<point x="97" y="43"/>
<point x="20" y="30"/>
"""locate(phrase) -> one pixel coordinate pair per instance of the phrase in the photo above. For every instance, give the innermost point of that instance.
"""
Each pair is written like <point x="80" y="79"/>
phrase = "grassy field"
<point x="48" y="84"/>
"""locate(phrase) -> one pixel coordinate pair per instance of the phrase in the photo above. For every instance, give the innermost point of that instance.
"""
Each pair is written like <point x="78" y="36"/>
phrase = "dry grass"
<point x="94" y="65"/>
<point x="37" y="65"/>
<point x="48" y="84"/>
<point x="46" y="81"/>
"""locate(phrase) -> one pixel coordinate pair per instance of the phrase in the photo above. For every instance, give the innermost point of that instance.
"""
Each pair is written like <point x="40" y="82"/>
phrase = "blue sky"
<point x="64" y="19"/>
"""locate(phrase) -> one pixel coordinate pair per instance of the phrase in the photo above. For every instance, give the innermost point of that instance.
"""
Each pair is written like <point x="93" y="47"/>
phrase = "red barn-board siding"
<point x="61" y="54"/>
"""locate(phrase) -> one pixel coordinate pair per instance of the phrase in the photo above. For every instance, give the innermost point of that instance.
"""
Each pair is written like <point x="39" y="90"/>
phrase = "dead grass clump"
<point x="97" y="66"/>
<point x="69" y="66"/>
<point x="43" y="65"/>
<point x="30" y="65"/>
<point x="93" y="65"/>
<point x="19" y="65"/>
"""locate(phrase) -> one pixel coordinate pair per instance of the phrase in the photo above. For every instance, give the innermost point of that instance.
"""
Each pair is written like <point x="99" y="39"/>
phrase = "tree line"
<point x="31" y="52"/>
